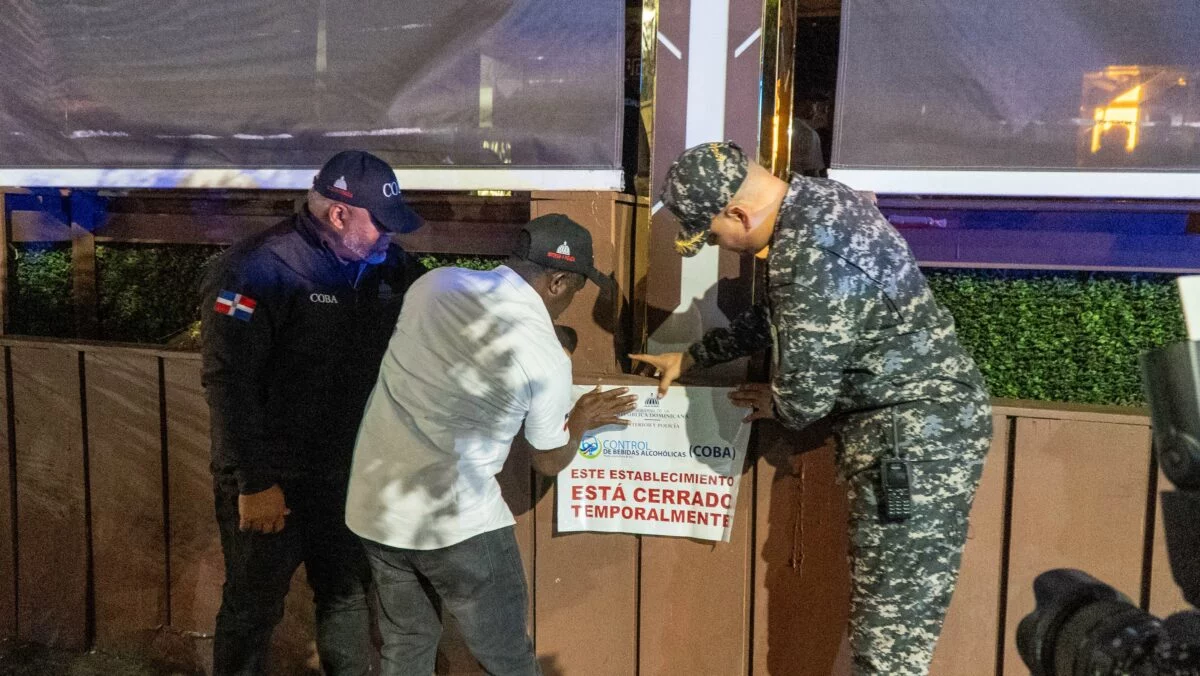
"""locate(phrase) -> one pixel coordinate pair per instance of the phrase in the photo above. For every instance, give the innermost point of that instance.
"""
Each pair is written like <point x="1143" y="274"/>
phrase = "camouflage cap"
<point x="699" y="185"/>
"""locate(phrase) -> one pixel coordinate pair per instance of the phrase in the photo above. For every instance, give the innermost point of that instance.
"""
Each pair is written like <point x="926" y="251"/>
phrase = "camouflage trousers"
<point x="903" y="574"/>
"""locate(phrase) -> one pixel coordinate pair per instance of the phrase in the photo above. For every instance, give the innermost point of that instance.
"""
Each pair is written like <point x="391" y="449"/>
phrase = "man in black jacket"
<point x="296" y="321"/>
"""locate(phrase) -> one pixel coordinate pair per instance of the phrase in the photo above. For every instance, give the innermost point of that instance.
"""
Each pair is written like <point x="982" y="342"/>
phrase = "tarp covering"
<point x="262" y="83"/>
<point x="1096" y="85"/>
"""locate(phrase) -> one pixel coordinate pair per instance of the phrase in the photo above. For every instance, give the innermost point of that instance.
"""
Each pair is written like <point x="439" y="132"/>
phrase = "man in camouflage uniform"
<point x="858" y="336"/>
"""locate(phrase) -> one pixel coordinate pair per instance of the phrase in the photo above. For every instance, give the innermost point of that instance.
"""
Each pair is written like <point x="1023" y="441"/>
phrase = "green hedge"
<point x="431" y="261"/>
<point x="41" y="293"/>
<point x="145" y="293"/>
<point x="190" y="339"/>
<point x="1061" y="336"/>
<point x="148" y="293"/>
<point x="1048" y="336"/>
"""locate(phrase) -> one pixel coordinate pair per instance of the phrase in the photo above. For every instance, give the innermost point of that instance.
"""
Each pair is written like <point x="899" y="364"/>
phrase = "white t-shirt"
<point x="473" y="356"/>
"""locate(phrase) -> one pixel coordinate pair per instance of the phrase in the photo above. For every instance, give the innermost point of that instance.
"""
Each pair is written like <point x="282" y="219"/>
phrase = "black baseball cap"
<point x="362" y="180"/>
<point x="557" y="242"/>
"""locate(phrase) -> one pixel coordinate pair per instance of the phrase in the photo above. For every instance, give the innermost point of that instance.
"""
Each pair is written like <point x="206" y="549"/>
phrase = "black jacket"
<point x="292" y="340"/>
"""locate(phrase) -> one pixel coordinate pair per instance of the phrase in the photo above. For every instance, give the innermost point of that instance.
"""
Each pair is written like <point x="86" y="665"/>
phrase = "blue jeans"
<point x="479" y="580"/>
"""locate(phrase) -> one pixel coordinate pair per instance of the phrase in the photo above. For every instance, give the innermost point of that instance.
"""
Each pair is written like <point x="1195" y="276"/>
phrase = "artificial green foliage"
<point x="190" y="338"/>
<point x="431" y="261"/>
<point x="149" y="293"/>
<point x="183" y="263"/>
<point x="40" y="296"/>
<point x="1071" y="337"/>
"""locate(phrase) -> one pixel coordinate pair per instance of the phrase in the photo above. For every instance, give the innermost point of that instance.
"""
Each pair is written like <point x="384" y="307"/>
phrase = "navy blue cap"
<point x="362" y="180"/>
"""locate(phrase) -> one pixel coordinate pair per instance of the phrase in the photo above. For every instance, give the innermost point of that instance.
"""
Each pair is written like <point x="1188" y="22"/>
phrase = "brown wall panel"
<point x="1079" y="501"/>
<point x="609" y="217"/>
<point x="8" y="561"/>
<point x="968" y="641"/>
<point x="586" y="599"/>
<point x="52" y="529"/>
<point x="772" y="602"/>
<point x="197" y="565"/>
<point x="517" y="485"/>
<point x="474" y="239"/>
<point x="39" y="226"/>
<point x="196" y="562"/>
<point x="1165" y="597"/>
<point x="182" y="228"/>
<point x="195" y="549"/>
<point x="125" y="466"/>
<point x="695" y="599"/>
<point x="802" y="580"/>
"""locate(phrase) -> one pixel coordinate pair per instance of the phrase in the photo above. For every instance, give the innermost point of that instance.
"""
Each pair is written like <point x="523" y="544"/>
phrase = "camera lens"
<point x="1060" y="595"/>
<point x="1085" y="643"/>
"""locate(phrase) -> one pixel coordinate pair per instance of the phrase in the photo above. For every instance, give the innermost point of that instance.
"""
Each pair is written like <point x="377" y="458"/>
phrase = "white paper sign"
<point x="673" y="471"/>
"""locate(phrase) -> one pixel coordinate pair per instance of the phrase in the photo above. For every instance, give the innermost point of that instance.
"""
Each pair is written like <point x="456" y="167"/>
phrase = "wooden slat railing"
<point x="112" y="541"/>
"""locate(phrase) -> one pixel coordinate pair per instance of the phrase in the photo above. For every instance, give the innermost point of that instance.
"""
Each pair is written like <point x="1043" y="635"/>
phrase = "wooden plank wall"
<point x="801" y="575"/>
<point x="194" y="546"/>
<point x="53" y="553"/>
<point x="114" y="496"/>
<point x="129" y="575"/>
<point x="8" y="495"/>
<point x="972" y="631"/>
<point x="1079" y="501"/>
<point x="113" y="442"/>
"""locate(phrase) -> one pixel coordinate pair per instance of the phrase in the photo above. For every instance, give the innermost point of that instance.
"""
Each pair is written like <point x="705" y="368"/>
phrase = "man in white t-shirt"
<point x="473" y="358"/>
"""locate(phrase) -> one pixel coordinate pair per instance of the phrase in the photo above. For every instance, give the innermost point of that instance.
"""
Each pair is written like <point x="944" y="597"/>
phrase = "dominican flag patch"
<point x="235" y="305"/>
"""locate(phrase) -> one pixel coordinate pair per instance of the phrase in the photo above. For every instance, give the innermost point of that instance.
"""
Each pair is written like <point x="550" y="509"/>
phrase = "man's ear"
<point x="739" y="212"/>
<point x="338" y="215"/>
<point x="562" y="282"/>
<point x="559" y="282"/>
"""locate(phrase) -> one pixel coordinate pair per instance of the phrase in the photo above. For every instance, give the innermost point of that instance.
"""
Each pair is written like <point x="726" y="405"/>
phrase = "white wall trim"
<point x="1130" y="185"/>
<point x="410" y="179"/>
<point x="708" y="47"/>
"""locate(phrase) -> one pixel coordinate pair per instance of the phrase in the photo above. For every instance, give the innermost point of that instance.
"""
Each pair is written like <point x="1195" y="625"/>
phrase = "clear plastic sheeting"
<point x="1078" y="85"/>
<point x="258" y="84"/>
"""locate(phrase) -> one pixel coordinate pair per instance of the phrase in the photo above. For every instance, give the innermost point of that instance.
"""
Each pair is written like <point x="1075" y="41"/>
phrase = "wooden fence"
<point x="608" y="326"/>
<point x="106" y="510"/>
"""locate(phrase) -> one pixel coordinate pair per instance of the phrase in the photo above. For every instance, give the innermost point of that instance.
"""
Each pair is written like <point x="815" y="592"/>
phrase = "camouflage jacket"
<point x="856" y="334"/>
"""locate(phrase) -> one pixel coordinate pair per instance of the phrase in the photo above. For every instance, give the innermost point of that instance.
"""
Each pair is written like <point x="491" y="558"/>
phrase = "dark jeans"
<point x="479" y="580"/>
<point x="258" y="573"/>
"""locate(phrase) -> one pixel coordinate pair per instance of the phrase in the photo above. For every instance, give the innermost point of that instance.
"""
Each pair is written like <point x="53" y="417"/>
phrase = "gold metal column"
<point x="778" y="77"/>
<point x="649" y="61"/>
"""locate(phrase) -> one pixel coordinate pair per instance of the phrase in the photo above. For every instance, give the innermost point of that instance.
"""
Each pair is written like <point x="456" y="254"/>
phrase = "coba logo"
<point x="589" y="447"/>
<point x="323" y="298"/>
<point x="712" y="451"/>
<point x="391" y="189"/>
